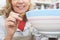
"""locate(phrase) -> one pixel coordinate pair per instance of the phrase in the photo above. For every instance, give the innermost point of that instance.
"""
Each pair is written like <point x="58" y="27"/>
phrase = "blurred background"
<point x="45" y="4"/>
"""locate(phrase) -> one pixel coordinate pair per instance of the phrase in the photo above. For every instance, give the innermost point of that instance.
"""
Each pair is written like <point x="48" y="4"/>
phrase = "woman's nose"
<point x="20" y="1"/>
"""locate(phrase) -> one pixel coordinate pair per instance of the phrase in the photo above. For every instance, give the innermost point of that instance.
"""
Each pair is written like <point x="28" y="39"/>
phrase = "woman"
<point x="16" y="23"/>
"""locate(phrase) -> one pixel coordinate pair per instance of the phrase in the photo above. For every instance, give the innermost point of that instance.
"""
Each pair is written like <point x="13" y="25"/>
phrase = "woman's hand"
<point x="11" y="23"/>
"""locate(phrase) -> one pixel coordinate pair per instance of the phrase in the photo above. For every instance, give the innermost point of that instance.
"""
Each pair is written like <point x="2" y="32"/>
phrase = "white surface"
<point x="46" y="23"/>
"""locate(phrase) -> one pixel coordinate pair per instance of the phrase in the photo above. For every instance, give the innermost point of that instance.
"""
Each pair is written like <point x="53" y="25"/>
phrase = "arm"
<point x="11" y="25"/>
<point x="8" y="37"/>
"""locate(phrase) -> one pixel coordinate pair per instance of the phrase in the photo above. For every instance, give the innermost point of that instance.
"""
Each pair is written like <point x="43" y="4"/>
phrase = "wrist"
<point x="8" y="37"/>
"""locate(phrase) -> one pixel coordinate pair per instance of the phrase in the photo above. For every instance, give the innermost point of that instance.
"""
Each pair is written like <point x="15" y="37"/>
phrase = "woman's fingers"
<point x="16" y="16"/>
<point x="9" y="19"/>
<point x="11" y="25"/>
<point x="11" y="22"/>
<point x="13" y="19"/>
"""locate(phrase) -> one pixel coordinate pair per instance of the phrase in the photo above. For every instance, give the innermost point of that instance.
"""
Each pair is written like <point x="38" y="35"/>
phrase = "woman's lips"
<point x="20" y="7"/>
